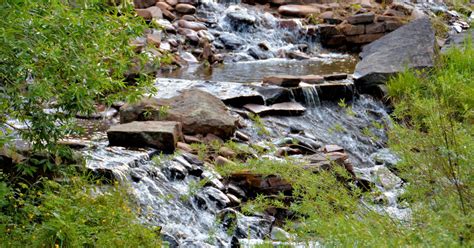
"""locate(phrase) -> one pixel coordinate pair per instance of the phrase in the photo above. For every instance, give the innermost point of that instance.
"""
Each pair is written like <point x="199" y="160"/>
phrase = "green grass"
<point x="79" y="213"/>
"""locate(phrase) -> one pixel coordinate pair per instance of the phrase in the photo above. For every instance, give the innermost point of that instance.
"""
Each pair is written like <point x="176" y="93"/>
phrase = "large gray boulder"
<point x="410" y="46"/>
<point x="199" y="112"/>
<point x="162" y="135"/>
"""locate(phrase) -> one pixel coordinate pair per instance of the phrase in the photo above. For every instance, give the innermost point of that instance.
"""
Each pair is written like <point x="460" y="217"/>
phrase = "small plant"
<point x="259" y="124"/>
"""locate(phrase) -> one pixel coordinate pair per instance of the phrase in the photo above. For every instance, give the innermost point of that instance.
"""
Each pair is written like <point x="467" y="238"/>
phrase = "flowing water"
<point x="168" y="189"/>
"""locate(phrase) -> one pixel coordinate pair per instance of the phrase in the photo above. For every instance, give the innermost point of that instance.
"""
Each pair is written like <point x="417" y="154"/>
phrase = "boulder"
<point x="198" y="111"/>
<point x="184" y="8"/>
<point x="162" y="135"/>
<point x="298" y="10"/>
<point x="410" y="46"/>
<point x="231" y="41"/>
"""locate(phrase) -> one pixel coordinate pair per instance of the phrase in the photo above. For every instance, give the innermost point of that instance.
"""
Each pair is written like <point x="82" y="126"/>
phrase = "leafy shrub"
<point x="76" y="214"/>
<point x="60" y="59"/>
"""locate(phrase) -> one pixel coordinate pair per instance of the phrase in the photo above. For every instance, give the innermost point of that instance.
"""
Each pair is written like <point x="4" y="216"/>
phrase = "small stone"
<point x="184" y="147"/>
<point x="332" y="148"/>
<point x="184" y="8"/>
<point x="241" y="136"/>
<point x="196" y="26"/>
<point x="234" y="201"/>
<point x="150" y="13"/>
<point x="221" y="161"/>
<point x="226" y="152"/>
<point x="153" y="39"/>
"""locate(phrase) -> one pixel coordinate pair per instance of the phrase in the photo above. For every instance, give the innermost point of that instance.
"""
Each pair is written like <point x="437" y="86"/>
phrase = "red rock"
<point x="185" y="147"/>
<point x="184" y="8"/>
<point x="288" y="23"/>
<point x="196" y="26"/>
<point x="282" y="80"/>
<point x="298" y="10"/>
<point x="150" y="13"/>
<point x="334" y="41"/>
<point x="153" y="39"/>
<point x="164" y="6"/>
<point x="171" y="2"/>
<point x="349" y="29"/>
<point x="312" y="79"/>
<point x="142" y="4"/>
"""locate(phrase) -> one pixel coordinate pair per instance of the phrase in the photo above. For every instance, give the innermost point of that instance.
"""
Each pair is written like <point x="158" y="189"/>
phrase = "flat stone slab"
<point x="284" y="108"/>
<point x="162" y="135"/>
<point x="282" y="80"/>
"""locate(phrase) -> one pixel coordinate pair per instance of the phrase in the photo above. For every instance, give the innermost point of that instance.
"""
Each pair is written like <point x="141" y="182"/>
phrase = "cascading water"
<point x="170" y="196"/>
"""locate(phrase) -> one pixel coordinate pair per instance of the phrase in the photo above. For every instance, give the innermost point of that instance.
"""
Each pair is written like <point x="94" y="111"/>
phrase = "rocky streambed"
<point x="261" y="77"/>
<point x="309" y="100"/>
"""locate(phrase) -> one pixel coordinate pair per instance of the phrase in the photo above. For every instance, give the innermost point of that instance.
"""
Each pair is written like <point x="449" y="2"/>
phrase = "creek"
<point x="167" y="188"/>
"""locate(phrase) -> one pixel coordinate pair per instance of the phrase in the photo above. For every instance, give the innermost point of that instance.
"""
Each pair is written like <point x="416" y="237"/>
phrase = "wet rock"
<point x="279" y="234"/>
<point x="257" y="53"/>
<point x="258" y="184"/>
<point x="231" y="41"/>
<point x="184" y="8"/>
<point x="385" y="157"/>
<point x="306" y="142"/>
<point x="162" y="135"/>
<point x="193" y="159"/>
<point x="298" y="10"/>
<point x="150" y="13"/>
<point x="312" y="79"/>
<point x="198" y="111"/>
<point x="241" y="136"/>
<point x="164" y="6"/>
<point x="287" y="151"/>
<point x="274" y="94"/>
<point x="169" y="241"/>
<point x="196" y="26"/>
<point x="284" y="108"/>
<point x="137" y="174"/>
<point x="188" y="57"/>
<point x="282" y="80"/>
<point x="141" y="4"/>
<point x="204" y="34"/>
<point x="240" y="16"/>
<point x="235" y="190"/>
<point x="386" y="178"/>
<point x="176" y="171"/>
<point x="298" y="55"/>
<point x="217" y="196"/>
<point x="361" y="18"/>
<point x="319" y="162"/>
<point x="411" y="46"/>
<point x="234" y="201"/>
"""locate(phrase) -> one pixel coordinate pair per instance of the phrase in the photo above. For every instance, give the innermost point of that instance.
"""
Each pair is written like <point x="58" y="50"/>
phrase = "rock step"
<point x="284" y="108"/>
<point x="162" y="135"/>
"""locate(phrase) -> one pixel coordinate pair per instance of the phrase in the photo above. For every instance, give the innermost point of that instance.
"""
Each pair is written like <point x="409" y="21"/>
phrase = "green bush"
<point x="435" y="139"/>
<point x="65" y="58"/>
<point x="76" y="214"/>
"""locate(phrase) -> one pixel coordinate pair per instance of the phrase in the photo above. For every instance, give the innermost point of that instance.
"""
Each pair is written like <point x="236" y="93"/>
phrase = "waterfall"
<point x="310" y="94"/>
